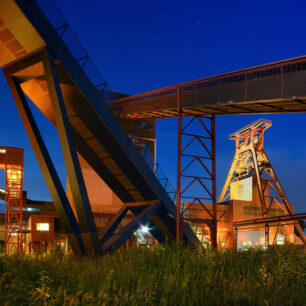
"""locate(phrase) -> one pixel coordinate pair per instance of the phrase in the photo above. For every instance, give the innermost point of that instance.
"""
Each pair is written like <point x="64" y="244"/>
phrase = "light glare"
<point x="145" y="229"/>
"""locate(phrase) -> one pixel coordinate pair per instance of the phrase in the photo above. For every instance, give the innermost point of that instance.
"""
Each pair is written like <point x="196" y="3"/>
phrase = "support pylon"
<point x="196" y="174"/>
<point x="251" y="161"/>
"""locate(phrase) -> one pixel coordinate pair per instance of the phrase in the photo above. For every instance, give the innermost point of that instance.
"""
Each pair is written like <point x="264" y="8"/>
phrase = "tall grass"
<point x="163" y="276"/>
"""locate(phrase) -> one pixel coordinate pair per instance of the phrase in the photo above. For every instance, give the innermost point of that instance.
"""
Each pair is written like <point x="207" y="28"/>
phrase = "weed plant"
<point x="163" y="276"/>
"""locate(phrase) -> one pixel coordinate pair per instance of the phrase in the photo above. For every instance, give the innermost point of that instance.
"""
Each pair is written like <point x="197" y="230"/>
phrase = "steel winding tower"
<point x="251" y="160"/>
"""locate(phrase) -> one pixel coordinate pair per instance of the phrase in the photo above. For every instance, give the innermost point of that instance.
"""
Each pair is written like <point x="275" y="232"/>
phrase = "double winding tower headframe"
<point x="251" y="161"/>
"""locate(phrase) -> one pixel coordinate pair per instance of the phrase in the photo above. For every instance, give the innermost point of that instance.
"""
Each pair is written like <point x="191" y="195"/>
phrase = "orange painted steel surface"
<point x="11" y="160"/>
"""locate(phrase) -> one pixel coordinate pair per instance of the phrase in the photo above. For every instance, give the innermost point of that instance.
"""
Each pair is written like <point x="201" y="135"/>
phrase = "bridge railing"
<point x="76" y="48"/>
<point x="155" y="167"/>
<point x="80" y="54"/>
<point x="164" y="180"/>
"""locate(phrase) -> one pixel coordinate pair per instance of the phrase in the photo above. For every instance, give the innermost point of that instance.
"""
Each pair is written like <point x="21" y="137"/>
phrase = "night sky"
<point x="146" y="45"/>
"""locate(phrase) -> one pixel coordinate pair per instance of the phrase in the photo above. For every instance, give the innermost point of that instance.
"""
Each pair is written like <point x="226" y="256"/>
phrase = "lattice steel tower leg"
<point x="196" y="173"/>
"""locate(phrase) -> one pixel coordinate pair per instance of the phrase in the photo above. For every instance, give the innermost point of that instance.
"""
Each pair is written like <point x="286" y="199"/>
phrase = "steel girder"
<point x="46" y="165"/>
<point x="82" y="234"/>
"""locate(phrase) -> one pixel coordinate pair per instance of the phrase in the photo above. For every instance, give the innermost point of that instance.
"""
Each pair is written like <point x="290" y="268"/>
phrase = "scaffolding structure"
<point x="11" y="160"/>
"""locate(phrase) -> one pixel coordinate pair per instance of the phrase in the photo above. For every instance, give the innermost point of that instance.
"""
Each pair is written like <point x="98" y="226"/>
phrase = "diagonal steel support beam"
<point x="48" y="170"/>
<point x="116" y="220"/>
<point x="119" y="238"/>
<point x="113" y="224"/>
<point x="74" y="173"/>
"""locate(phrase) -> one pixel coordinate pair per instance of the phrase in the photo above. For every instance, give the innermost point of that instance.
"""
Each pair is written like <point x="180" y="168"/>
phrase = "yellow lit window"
<point x="42" y="226"/>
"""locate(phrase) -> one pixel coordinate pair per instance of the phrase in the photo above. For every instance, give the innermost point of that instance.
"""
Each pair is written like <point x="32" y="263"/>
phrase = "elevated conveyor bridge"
<point x="38" y="65"/>
<point x="278" y="87"/>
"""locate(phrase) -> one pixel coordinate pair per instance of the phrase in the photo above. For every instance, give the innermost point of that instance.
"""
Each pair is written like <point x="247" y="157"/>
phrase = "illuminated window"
<point x="280" y="239"/>
<point x="42" y="226"/>
<point x="2" y="151"/>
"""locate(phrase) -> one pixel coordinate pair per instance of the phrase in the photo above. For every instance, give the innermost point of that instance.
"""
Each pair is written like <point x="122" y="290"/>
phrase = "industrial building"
<point x="239" y="201"/>
<point x="114" y="184"/>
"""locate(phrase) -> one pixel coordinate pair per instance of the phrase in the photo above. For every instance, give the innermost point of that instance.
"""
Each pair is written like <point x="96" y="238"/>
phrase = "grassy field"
<point x="163" y="276"/>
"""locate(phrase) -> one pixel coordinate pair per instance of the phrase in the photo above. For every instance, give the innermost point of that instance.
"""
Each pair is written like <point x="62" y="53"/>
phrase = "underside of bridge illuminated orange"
<point x="41" y="64"/>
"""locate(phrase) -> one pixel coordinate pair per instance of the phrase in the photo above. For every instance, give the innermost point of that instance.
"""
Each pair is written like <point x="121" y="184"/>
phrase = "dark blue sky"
<point x="144" y="45"/>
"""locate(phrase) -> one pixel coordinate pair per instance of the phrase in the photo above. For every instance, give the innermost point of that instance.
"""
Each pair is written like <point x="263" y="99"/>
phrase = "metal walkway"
<point x="57" y="83"/>
<point x="277" y="87"/>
